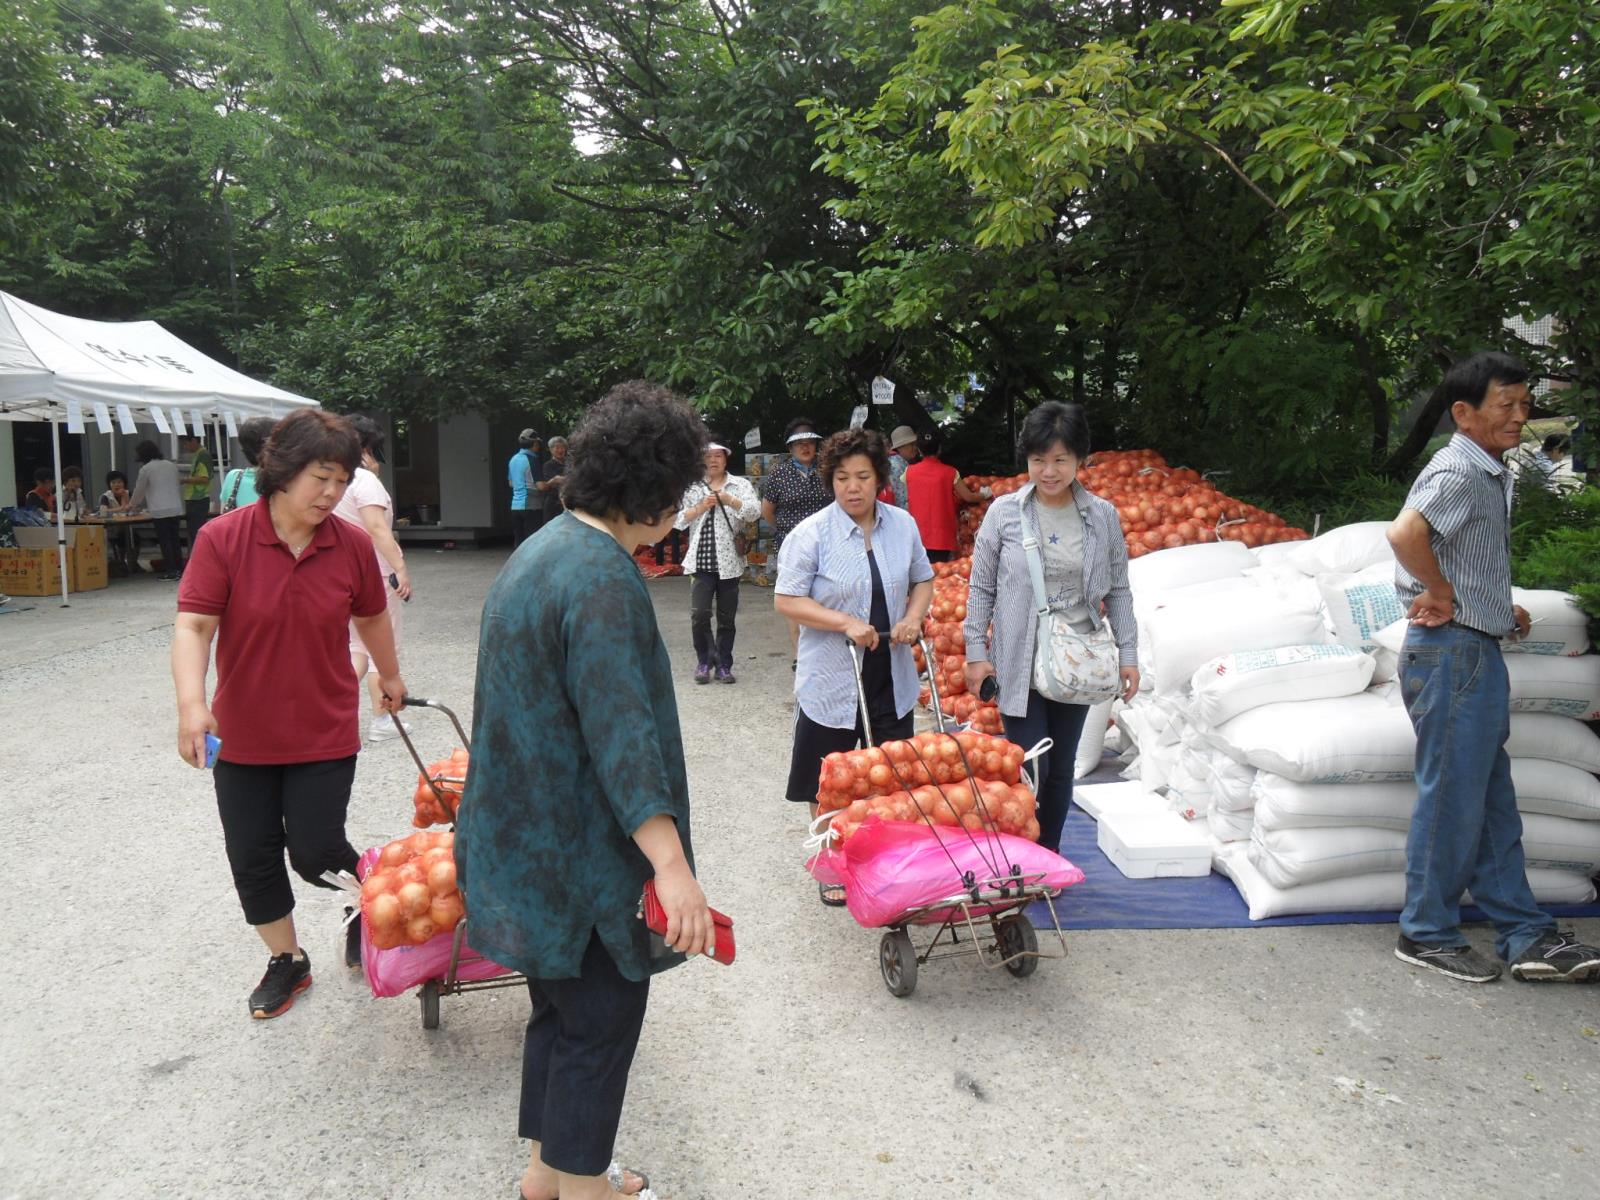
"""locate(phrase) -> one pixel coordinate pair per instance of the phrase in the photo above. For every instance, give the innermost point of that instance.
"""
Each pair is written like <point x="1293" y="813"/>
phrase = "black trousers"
<point x="167" y="539"/>
<point x="725" y="592"/>
<point x="1063" y="725"/>
<point x="195" y="513"/>
<point x="525" y="522"/>
<point x="673" y="542"/>
<point x="941" y="556"/>
<point x="814" y="742"/>
<point x="575" y="1062"/>
<point x="265" y="810"/>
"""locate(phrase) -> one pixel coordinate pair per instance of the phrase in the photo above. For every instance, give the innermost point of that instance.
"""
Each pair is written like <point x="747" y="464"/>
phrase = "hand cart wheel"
<point x="428" y="993"/>
<point x="1014" y="936"/>
<point x="897" y="958"/>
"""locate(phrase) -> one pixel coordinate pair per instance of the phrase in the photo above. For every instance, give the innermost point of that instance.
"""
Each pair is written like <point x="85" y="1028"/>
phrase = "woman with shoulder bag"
<point x="1050" y="616"/>
<point x="717" y="511"/>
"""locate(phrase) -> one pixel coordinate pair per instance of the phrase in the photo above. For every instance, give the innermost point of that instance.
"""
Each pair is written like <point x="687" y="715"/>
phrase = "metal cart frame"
<point x="990" y="911"/>
<point x="431" y="990"/>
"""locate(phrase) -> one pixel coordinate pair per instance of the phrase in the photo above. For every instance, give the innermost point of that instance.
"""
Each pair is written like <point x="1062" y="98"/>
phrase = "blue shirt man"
<point x="524" y="469"/>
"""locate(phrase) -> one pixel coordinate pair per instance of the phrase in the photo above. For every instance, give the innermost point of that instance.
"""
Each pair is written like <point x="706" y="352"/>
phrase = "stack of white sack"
<point x="1296" y="740"/>
<point x="1191" y="603"/>
<point x="1331" y="820"/>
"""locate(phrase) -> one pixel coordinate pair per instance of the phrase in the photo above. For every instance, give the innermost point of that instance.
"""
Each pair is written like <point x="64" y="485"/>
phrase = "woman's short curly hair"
<point x="849" y="442"/>
<point x="300" y="439"/>
<point x="634" y="454"/>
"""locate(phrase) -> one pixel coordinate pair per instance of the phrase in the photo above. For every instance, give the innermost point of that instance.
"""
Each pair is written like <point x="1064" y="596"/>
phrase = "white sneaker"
<point x="384" y="728"/>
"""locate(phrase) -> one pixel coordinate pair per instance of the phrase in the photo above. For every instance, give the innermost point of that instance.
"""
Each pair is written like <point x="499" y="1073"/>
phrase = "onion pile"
<point x="410" y="895"/>
<point x="450" y="775"/>
<point x="1160" y="507"/>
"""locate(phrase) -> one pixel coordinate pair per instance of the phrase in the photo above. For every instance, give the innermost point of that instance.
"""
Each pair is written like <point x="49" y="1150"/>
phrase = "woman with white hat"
<point x="902" y="453"/>
<point x="717" y="511"/>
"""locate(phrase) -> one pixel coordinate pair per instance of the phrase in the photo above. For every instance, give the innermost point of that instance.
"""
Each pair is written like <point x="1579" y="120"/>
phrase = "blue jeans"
<point x="1062" y="724"/>
<point x="1466" y="831"/>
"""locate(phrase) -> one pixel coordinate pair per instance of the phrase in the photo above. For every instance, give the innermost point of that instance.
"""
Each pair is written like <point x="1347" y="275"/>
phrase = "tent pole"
<point x="61" y="520"/>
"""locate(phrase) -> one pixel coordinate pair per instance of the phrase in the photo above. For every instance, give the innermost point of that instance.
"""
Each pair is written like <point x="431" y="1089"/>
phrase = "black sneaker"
<point x="1458" y="962"/>
<point x="1557" y="958"/>
<point x="285" y="979"/>
<point x="352" y="939"/>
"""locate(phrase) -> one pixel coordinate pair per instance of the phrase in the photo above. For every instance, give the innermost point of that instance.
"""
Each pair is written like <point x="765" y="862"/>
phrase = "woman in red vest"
<point x="932" y="489"/>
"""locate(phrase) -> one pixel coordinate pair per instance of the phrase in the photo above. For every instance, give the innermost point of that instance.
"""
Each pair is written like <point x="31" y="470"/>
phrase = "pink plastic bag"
<point x="395" y="972"/>
<point x="889" y="868"/>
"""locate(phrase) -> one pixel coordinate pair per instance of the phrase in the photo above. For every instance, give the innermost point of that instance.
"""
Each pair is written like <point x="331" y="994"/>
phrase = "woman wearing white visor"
<point x="718" y="512"/>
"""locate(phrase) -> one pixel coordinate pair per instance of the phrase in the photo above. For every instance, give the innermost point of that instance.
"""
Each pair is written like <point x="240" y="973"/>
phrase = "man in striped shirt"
<point x="1452" y="544"/>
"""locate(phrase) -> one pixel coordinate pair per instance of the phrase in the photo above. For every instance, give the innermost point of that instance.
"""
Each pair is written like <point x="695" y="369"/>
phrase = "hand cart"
<point x="451" y="984"/>
<point x="984" y="914"/>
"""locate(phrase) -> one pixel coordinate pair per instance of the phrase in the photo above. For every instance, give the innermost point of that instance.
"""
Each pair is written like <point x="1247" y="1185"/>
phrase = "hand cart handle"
<point x="857" y="657"/>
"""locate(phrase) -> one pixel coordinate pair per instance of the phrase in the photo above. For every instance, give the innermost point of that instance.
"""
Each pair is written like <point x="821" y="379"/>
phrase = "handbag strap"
<point x="1030" y="546"/>
<point x="232" y="497"/>
<point x="725" y="515"/>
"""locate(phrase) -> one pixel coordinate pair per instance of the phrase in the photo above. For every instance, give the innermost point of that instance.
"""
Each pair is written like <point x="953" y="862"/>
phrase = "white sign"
<point x="197" y="422"/>
<point x="882" y="390"/>
<point x="102" y="417"/>
<point x="176" y="416"/>
<point x="858" y="417"/>
<point x="752" y="437"/>
<point x="125" y="419"/>
<point x="74" y="417"/>
<point x="229" y="423"/>
<point x="160" y="418"/>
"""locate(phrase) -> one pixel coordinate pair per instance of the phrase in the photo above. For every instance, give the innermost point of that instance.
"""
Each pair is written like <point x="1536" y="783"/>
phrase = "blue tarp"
<point x="1107" y="899"/>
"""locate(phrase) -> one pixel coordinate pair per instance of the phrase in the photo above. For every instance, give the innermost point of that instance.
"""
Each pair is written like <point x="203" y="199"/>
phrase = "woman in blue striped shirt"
<point x="855" y="572"/>
<point x="1086" y="576"/>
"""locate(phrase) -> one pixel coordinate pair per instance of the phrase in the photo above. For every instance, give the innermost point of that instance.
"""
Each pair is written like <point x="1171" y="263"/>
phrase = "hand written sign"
<point x="127" y="356"/>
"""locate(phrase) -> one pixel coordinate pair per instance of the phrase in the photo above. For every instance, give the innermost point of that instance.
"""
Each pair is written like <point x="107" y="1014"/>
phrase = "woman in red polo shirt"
<point x="931" y="492"/>
<point x="276" y="584"/>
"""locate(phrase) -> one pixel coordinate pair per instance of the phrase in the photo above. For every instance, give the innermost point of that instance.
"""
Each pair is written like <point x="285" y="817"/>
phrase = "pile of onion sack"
<point x="449" y="776"/>
<point x="926" y="779"/>
<point x="410" y="896"/>
<point x="1159" y="507"/>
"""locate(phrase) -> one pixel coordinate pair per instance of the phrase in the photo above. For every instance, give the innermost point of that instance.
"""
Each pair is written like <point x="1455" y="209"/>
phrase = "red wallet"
<point x="655" y="920"/>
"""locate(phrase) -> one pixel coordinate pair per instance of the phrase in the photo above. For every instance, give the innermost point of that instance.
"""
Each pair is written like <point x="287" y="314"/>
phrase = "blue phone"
<point x="213" y="747"/>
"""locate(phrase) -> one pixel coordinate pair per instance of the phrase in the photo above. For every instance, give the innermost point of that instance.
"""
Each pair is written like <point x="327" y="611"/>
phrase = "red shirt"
<point x="286" y="692"/>
<point x="931" y="499"/>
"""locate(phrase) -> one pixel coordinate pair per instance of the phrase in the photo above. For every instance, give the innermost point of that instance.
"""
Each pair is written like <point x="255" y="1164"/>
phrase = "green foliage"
<point x="1555" y="543"/>
<point x="1245" y="232"/>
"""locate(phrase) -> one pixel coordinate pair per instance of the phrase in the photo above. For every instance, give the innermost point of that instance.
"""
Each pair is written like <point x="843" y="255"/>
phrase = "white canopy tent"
<point x="68" y="370"/>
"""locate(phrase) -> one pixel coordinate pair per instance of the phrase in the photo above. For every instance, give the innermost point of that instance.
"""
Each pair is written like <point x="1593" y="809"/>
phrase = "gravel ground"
<point x="1299" y="1062"/>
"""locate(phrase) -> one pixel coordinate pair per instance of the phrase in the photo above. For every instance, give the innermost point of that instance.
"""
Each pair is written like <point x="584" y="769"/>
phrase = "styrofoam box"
<point x="1154" y="845"/>
<point x="1097" y="799"/>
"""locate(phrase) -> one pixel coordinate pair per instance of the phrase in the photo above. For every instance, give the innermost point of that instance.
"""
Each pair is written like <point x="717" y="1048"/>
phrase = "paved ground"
<point x="1299" y="1062"/>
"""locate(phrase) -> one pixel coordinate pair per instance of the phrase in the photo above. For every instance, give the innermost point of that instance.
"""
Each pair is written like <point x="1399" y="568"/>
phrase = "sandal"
<point x="617" y="1177"/>
<point x="836" y="900"/>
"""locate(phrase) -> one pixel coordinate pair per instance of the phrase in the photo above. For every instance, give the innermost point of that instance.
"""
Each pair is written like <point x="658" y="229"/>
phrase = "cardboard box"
<point x="37" y="567"/>
<point x="29" y="572"/>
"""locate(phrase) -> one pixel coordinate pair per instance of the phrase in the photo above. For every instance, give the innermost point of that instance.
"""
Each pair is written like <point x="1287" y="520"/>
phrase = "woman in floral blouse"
<point x="714" y="511"/>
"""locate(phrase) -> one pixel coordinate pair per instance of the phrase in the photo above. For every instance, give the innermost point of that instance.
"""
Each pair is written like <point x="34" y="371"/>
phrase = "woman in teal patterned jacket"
<point x="577" y="793"/>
